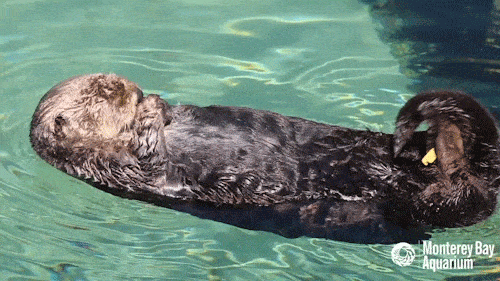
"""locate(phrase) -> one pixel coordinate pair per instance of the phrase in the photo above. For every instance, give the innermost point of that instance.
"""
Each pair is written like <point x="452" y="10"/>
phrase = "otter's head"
<point x="94" y="124"/>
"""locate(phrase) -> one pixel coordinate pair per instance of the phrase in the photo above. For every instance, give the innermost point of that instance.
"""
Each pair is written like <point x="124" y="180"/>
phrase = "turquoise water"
<point x="319" y="60"/>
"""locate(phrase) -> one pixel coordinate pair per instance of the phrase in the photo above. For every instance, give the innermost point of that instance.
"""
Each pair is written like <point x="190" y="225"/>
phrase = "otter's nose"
<point x="153" y="96"/>
<point x="139" y="94"/>
<point x="154" y="100"/>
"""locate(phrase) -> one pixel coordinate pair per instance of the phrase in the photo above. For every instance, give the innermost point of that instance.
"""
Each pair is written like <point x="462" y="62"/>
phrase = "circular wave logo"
<point x="403" y="254"/>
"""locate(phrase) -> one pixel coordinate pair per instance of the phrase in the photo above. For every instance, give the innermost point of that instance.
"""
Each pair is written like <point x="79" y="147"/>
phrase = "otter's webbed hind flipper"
<point x="476" y="125"/>
<point x="463" y="172"/>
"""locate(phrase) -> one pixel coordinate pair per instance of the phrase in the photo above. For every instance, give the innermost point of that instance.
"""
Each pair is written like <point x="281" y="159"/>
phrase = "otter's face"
<point x="97" y="107"/>
<point x="97" y="126"/>
<point x="92" y="117"/>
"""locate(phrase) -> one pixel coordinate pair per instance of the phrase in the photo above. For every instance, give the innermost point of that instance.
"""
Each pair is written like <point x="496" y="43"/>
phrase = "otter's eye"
<point x="58" y="129"/>
<point x="60" y="121"/>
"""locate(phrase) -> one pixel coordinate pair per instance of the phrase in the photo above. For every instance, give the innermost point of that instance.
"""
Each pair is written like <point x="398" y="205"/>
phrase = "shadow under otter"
<point x="263" y="171"/>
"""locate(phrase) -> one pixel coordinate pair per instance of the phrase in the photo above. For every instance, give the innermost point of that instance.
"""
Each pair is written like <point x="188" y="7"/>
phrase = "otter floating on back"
<point x="260" y="170"/>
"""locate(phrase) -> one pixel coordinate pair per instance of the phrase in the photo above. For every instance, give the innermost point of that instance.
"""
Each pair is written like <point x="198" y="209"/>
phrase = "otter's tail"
<point x="459" y="127"/>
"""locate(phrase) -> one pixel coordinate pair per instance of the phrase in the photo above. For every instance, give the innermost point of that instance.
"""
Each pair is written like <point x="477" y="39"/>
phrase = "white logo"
<point x="403" y="254"/>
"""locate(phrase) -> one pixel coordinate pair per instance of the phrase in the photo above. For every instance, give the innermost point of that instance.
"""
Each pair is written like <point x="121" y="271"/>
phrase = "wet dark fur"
<point x="264" y="171"/>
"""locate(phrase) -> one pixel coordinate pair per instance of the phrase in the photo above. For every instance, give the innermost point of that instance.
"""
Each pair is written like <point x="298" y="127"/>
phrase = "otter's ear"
<point x="450" y="115"/>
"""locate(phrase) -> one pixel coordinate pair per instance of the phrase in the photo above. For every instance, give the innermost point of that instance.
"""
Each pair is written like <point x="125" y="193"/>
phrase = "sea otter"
<point x="260" y="170"/>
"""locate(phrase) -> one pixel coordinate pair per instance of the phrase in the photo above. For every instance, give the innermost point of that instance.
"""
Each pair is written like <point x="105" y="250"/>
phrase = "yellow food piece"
<point x="430" y="157"/>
